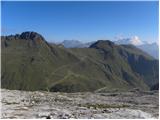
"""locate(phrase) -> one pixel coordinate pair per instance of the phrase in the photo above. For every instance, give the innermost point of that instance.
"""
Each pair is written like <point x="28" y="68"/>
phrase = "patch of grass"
<point x="10" y="103"/>
<point x="58" y="99"/>
<point x="104" y="106"/>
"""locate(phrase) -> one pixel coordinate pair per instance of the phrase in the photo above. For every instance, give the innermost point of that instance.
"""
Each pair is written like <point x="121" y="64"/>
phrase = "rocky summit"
<point x="30" y="63"/>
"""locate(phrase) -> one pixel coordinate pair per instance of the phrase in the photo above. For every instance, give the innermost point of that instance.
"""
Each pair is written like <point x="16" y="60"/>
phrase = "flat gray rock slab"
<point x="41" y="104"/>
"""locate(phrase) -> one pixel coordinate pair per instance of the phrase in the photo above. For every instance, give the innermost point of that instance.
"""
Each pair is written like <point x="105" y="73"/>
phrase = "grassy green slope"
<point x="117" y="72"/>
<point x="30" y="63"/>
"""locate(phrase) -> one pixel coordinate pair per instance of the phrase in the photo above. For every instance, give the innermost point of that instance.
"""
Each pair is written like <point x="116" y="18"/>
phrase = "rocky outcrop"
<point x="86" y="105"/>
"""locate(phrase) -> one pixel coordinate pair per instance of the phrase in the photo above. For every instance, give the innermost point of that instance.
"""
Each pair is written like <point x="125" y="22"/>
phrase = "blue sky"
<point x="84" y="21"/>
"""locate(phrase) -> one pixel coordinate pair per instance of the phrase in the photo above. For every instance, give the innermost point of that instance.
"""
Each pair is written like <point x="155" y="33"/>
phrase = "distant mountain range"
<point x="150" y="48"/>
<point x="29" y="62"/>
<point x="75" y="44"/>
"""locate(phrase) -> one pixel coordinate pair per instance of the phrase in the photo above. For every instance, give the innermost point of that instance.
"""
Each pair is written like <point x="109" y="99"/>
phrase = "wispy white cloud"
<point x="134" y="40"/>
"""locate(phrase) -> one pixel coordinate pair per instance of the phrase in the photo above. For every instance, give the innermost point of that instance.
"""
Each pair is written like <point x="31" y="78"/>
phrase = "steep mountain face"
<point x="30" y="63"/>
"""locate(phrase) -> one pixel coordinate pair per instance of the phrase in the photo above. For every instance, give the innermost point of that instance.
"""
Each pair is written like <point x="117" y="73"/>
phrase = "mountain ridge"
<point x="150" y="48"/>
<point x="43" y="66"/>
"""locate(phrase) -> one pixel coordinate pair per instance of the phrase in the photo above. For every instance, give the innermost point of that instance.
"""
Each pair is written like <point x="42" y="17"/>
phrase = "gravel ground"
<point x="41" y="104"/>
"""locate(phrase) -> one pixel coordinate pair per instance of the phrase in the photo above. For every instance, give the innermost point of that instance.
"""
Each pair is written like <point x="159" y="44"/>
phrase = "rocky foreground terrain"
<point x="41" y="104"/>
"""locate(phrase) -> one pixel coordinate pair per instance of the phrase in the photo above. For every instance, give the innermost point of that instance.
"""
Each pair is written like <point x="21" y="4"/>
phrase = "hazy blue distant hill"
<point x="71" y="43"/>
<point x="151" y="49"/>
<point x="75" y="44"/>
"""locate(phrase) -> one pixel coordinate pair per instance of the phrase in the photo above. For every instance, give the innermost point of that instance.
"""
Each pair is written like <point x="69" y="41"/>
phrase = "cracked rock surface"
<point x="50" y="105"/>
